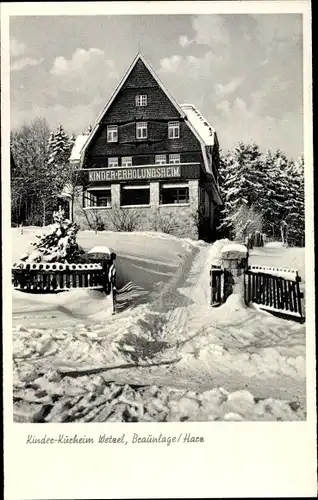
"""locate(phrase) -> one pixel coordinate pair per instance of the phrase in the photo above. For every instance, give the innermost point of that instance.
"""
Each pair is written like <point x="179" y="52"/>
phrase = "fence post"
<point x="234" y="262"/>
<point x="112" y="281"/>
<point x="108" y="278"/>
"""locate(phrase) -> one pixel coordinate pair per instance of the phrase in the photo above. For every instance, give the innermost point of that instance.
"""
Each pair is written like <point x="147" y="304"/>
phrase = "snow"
<point x="199" y="123"/>
<point x="274" y="244"/>
<point x="288" y="274"/>
<point x="234" y="251"/>
<point x="198" y="362"/>
<point x="78" y="146"/>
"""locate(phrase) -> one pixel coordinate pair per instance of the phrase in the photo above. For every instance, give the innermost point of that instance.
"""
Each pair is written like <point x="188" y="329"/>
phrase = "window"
<point x="112" y="162"/>
<point x="112" y="133"/>
<point x="174" y="193"/>
<point x="141" y="130"/>
<point x="135" y="194"/>
<point x="141" y="100"/>
<point x="173" y="130"/>
<point x="160" y="159"/>
<point x="175" y="158"/>
<point x="97" y="197"/>
<point x="126" y="161"/>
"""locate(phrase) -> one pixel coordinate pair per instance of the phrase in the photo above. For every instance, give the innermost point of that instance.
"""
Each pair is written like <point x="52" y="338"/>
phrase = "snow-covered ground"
<point x="74" y="361"/>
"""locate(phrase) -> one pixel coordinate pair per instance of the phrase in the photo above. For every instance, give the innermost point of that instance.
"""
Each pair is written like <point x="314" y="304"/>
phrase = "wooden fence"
<point x="221" y="285"/>
<point x="42" y="277"/>
<point x="276" y="290"/>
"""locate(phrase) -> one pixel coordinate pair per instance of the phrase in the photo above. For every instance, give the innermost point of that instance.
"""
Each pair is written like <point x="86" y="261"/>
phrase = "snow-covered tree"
<point x="264" y="191"/>
<point x="246" y="222"/>
<point x="295" y="204"/>
<point x="58" y="244"/>
<point x="241" y="183"/>
<point x="283" y="207"/>
<point x="59" y="150"/>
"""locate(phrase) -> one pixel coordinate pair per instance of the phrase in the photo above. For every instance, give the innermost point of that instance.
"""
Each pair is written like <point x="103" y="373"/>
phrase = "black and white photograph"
<point x="158" y="218"/>
<point x="158" y="250"/>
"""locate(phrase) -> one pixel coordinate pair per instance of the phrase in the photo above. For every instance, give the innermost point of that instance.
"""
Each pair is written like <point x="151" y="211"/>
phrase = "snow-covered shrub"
<point x="59" y="244"/>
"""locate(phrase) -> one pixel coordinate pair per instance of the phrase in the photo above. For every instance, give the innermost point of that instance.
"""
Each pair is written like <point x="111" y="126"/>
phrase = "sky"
<point x="243" y="72"/>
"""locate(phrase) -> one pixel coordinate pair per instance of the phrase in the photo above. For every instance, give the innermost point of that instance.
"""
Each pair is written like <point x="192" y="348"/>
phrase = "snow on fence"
<point x="276" y="290"/>
<point x="45" y="277"/>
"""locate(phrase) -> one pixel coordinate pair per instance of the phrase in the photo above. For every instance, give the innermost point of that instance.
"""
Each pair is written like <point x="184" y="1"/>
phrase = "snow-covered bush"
<point x="59" y="244"/>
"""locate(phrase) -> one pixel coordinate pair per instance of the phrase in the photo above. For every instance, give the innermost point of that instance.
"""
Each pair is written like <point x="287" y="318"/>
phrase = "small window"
<point x="160" y="159"/>
<point x="173" y="130"/>
<point x="135" y="194"/>
<point x="97" y="198"/>
<point x="112" y="162"/>
<point x="141" y="130"/>
<point x="126" y="161"/>
<point x="174" y="158"/>
<point x="174" y="193"/>
<point x="141" y="100"/>
<point x="112" y="133"/>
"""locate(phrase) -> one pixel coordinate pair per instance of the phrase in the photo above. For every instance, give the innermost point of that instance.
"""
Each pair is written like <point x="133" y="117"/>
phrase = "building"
<point x="148" y="153"/>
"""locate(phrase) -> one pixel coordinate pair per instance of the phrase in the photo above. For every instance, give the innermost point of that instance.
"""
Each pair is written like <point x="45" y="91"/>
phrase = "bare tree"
<point x="30" y="185"/>
<point x="246" y="220"/>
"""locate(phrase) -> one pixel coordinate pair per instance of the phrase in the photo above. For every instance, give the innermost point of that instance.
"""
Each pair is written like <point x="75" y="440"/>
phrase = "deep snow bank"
<point x="51" y="398"/>
<point x="144" y="262"/>
<point x="204" y="349"/>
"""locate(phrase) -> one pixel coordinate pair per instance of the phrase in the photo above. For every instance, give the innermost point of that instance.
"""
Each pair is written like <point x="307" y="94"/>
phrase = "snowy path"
<point x="208" y="347"/>
<point x="222" y="347"/>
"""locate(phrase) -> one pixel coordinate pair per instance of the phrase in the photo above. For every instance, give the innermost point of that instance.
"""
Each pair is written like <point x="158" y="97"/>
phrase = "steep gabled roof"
<point x="200" y="124"/>
<point x="139" y="57"/>
<point x="78" y="146"/>
<point x="197" y="124"/>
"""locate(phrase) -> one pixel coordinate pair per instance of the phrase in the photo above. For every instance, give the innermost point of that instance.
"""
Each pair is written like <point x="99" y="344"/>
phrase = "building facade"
<point x="149" y="154"/>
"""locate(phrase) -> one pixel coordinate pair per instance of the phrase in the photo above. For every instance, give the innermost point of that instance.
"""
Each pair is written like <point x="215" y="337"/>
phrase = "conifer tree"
<point x="58" y="244"/>
<point x="295" y="204"/>
<point x="60" y="147"/>
<point x="241" y="183"/>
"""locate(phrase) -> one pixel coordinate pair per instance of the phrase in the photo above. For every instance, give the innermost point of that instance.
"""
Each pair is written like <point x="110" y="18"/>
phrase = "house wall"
<point x="124" y="113"/>
<point x="183" y="216"/>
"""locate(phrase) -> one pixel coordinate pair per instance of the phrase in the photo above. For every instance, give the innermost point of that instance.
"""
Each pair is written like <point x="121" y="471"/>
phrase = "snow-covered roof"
<point x="78" y="146"/>
<point x="199" y="123"/>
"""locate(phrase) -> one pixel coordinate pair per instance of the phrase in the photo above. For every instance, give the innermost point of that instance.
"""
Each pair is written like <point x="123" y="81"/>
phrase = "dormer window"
<point x="141" y="100"/>
<point x="141" y="130"/>
<point x="173" y="130"/>
<point x="112" y="133"/>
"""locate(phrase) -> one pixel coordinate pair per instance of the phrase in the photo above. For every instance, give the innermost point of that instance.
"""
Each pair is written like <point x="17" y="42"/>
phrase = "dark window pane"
<point x="169" y="196"/>
<point x="138" y="196"/>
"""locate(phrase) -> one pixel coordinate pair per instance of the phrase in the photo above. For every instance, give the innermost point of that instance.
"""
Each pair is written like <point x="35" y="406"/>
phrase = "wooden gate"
<point x="276" y="290"/>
